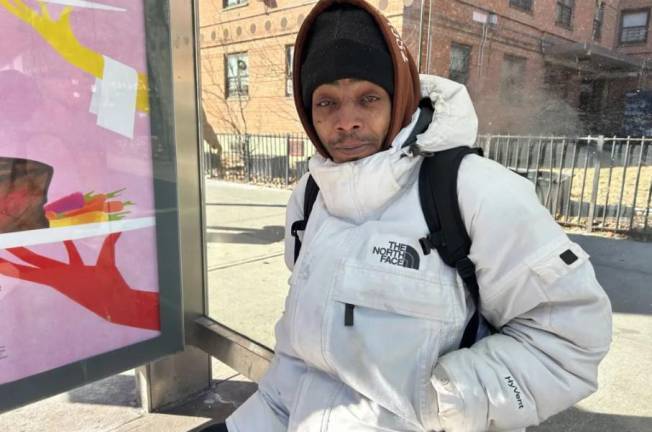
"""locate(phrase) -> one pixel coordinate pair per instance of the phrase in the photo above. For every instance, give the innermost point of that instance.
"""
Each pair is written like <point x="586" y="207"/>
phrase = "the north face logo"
<point x="398" y="254"/>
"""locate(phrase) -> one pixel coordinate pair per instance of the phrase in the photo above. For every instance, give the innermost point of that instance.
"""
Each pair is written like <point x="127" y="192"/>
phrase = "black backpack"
<point x="438" y="196"/>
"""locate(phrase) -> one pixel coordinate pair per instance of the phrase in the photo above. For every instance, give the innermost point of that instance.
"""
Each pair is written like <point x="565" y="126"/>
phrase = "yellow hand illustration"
<point x="59" y="35"/>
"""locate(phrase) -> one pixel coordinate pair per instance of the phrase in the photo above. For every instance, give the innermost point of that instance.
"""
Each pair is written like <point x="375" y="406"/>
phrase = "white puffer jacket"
<point x="397" y="367"/>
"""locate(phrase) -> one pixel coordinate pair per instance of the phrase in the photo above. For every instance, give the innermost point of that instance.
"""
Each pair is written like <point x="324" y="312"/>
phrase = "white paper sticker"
<point x="117" y="107"/>
<point x="95" y="99"/>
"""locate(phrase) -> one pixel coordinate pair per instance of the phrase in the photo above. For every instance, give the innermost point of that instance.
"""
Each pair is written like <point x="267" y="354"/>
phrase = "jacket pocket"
<point x="396" y="291"/>
<point x="578" y="308"/>
<point x="401" y="322"/>
<point x="558" y="262"/>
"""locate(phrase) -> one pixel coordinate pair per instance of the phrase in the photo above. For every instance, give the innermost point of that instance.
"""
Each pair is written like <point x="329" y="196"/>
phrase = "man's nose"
<point x="348" y="118"/>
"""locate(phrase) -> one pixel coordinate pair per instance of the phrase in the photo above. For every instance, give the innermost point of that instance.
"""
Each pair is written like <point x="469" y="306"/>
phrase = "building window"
<point x="459" y="63"/>
<point x="633" y="26"/>
<point x="289" y="59"/>
<point x="231" y="3"/>
<point x="237" y="74"/>
<point x="565" y="12"/>
<point x="597" y="21"/>
<point x="512" y="78"/>
<point x="525" y="5"/>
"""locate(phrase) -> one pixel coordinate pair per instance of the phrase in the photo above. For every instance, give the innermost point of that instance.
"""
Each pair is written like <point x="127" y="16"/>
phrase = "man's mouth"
<point x="349" y="145"/>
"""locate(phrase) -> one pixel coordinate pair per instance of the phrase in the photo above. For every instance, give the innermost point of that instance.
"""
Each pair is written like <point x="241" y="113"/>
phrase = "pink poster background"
<point x="44" y="116"/>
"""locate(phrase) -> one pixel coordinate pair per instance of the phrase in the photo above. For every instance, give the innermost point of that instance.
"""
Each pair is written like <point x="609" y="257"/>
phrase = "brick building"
<point x="531" y="66"/>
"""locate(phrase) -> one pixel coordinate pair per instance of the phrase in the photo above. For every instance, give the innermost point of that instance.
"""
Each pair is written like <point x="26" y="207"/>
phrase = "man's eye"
<point x="324" y="103"/>
<point x="370" y="99"/>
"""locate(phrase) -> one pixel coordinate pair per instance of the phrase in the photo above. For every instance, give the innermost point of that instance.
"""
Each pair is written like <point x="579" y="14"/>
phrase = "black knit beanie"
<point x="345" y="42"/>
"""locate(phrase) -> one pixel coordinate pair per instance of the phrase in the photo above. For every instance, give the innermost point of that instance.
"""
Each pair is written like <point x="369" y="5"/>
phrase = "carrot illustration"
<point x="85" y="218"/>
<point x="117" y="216"/>
<point x="116" y="206"/>
<point x="67" y="203"/>
<point x="95" y="204"/>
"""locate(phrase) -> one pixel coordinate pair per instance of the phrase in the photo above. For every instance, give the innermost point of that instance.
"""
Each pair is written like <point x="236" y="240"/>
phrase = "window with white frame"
<point x="289" y="59"/>
<point x="633" y="26"/>
<point x="237" y="74"/>
<point x="459" y="63"/>
<point x="231" y="3"/>
<point x="565" y="12"/>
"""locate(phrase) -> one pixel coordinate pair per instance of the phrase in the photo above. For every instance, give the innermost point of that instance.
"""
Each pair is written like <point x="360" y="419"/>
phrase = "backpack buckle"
<point x="416" y="151"/>
<point x="431" y="241"/>
<point x="297" y="226"/>
<point x="465" y="268"/>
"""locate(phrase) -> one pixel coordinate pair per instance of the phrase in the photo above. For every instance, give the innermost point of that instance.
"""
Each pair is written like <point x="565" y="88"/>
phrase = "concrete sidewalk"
<point x="247" y="286"/>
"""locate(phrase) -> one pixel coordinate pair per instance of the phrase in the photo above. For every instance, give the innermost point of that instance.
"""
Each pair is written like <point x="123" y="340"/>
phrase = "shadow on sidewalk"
<point x="266" y="235"/>
<point x="623" y="269"/>
<point x="577" y="420"/>
<point x="117" y="390"/>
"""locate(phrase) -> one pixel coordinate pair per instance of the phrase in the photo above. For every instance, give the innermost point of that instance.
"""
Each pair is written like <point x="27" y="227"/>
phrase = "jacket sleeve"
<point x="539" y="289"/>
<point x="294" y="212"/>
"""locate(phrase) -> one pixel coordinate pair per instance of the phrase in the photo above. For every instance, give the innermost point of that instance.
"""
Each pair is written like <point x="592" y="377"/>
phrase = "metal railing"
<point x="599" y="183"/>
<point x="273" y="159"/>
<point x="593" y="182"/>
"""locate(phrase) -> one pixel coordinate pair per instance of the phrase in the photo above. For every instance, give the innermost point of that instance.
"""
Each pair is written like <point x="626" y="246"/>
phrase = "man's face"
<point x="351" y="118"/>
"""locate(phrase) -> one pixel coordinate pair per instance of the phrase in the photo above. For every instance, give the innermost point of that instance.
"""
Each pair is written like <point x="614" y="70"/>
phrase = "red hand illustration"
<point x="99" y="288"/>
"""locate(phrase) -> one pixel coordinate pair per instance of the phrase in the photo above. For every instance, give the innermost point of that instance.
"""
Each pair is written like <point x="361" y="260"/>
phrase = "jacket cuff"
<point x="461" y="400"/>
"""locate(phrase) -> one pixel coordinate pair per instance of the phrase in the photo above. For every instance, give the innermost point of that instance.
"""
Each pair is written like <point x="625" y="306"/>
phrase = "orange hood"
<point x="406" y="76"/>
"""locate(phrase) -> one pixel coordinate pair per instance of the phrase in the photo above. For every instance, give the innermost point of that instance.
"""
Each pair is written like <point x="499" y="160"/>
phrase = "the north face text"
<point x="398" y="254"/>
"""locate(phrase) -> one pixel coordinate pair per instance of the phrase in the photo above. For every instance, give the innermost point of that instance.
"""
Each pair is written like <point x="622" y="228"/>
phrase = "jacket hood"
<point x="359" y="190"/>
<point x="406" y="76"/>
<point x="454" y="122"/>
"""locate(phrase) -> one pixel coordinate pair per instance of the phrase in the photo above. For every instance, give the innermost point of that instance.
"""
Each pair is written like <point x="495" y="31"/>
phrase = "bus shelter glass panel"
<point x="563" y="96"/>
<point x="86" y="165"/>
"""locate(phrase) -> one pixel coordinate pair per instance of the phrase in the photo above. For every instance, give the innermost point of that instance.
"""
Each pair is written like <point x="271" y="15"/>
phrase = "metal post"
<point x="570" y="182"/>
<point x="550" y="174"/>
<point x="287" y="160"/>
<point x="557" y="198"/>
<point x="611" y="169"/>
<point x="428" y="58"/>
<point x="248" y="160"/>
<point x="586" y="169"/>
<point x="647" y="208"/>
<point x="596" y="181"/>
<point x="622" y="185"/>
<point x="176" y="377"/>
<point x="638" y="178"/>
<point x="420" y="35"/>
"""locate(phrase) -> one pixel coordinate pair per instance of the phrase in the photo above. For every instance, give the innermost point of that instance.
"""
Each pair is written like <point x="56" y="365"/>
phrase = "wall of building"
<point x="263" y="29"/>
<point x="542" y="101"/>
<point x="549" y="95"/>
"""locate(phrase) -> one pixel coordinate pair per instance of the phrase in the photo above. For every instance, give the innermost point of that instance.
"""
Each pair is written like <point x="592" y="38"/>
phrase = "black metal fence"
<point x="261" y="159"/>
<point x="598" y="183"/>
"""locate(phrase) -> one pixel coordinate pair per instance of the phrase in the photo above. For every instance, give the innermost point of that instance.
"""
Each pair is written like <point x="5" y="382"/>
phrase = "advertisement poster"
<point x="78" y="266"/>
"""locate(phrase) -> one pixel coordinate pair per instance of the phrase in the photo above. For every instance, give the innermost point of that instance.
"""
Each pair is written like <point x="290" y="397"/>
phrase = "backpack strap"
<point x="424" y="120"/>
<point x="309" y="198"/>
<point x="439" y="202"/>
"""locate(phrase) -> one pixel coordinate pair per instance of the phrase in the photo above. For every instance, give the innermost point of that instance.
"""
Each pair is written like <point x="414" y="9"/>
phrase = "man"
<point x="367" y="343"/>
